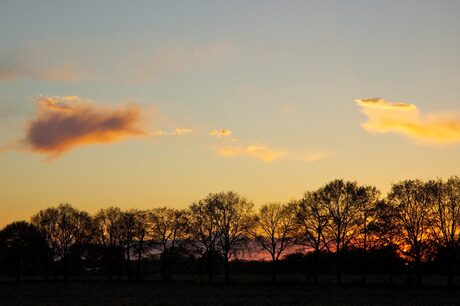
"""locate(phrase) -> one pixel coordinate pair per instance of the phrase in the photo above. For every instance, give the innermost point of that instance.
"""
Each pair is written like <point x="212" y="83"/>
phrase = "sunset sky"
<point x="106" y="103"/>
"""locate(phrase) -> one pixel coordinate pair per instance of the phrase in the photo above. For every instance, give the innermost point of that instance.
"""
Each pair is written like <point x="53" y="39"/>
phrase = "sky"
<point x="158" y="103"/>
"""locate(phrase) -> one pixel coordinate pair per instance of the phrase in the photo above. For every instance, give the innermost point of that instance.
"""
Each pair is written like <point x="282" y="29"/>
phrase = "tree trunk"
<point x="128" y="260"/>
<point x="364" y="267"/>
<point x="18" y="270"/>
<point x="418" y="271"/>
<point x="120" y="262"/>
<point x="109" y="264"/>
<point x="339" y="266"/>
<point x="139" y="261"/>
<point x="451" y="268"/>
<point x="338" y="260"/>
<point x="163" y="265"/>
<point x="227" y="268"/>
<point x="65" y="268"/>
<point x="210" y="266"/>
<point x="316" y="267"/>
<point x="46" y="269"/>
<point x="274" y="266"/>
<point x="170" y="263"/>
<point x="55" y="270"/>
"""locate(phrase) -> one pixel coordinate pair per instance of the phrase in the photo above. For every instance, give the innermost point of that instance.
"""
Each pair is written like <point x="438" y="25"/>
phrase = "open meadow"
<point x="240" y="292"/>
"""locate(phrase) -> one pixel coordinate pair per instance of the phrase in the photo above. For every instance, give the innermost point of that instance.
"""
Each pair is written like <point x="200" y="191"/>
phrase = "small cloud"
<point x="221" y="133"/>
<point x="63" y="123"/>
<point x="267" y="154"/>
<point x="379" y="103"/>
<point x="160" y="133"/>
<point x="404" y="118"/>
<point x="176" y="132"/>
<point x="260" y="152"/>
<point x="181" y="131"/>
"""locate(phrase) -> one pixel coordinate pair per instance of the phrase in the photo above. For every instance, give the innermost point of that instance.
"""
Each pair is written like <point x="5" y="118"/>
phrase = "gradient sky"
<point x="132" y="103"/>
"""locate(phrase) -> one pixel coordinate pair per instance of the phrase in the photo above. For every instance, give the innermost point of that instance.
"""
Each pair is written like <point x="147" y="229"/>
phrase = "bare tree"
<point x="108" y="234"/>
<point x="342" y="201"/>
<point x="233" y="222"/>
<point x="128" y="224"/>
<point x="411" y="201"/>
<point x="312" y="217"/>
<point x="367" y="200"/>
<point x="64" y="227"/>
<point x="167" y="226"/>
<point x="274" y="231"/>
<point x="141" y="231"/>
<point x="384" y="230"/>
<point x="203" y="229"/>
<point x="445" y="218"/>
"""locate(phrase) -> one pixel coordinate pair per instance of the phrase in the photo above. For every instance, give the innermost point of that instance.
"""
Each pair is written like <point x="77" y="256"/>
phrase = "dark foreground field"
<point x="185" y="293"/>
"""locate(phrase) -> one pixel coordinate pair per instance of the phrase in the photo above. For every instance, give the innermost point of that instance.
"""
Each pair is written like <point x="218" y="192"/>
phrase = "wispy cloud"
<point x="221" y="133"/>
<point x="260" y="152"/>
<point x="139" y="65"/>
<point x="267" y="154"/>
<point x="24" y="64"/>
<point x="182" y="131"/>
<point x="176" y="132"/>
<point x="404" y="118"/>
<point x="63" y="123"/>
<point x="379" y="103"/>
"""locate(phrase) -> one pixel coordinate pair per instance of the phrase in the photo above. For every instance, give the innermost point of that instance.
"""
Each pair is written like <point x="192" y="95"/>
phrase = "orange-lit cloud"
<point x="267" y="154"/>
<point x="221" y="133"/>
<point x="389" y="117"/>
<point x="63" y="123"/>
<point x="379" y="103"/>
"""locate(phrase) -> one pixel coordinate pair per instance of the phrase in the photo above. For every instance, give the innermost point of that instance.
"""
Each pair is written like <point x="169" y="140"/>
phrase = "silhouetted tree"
<point x="22" y="247"/>
<point x="64" y="227"/>
<point x="417" y="224"/>
<point x="311" y="218"/>
<point x="141" y="231"/>
<point x="384" y="230"/>
<point x="411" y="202"/>
<point x="274" y="230"/>
<point x="367" y="200"/>
<point x="167" y="226"/>
<point x="342" y="201"/>
<point x="203" y="229"/>
<point x="128" y="224"/>
<point x="445" y="218"/>
<point x="233" y="223"/>
<point x="108" y="234"/>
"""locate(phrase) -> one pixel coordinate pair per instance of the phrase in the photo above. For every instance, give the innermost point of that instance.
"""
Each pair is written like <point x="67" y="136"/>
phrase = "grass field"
<point x="195" y="293"/>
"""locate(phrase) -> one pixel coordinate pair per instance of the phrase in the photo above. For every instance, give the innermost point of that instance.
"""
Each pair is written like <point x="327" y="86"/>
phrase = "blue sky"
<point x="281" y="76"/>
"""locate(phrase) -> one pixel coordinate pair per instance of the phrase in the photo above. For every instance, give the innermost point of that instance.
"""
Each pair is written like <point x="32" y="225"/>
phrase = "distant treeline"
<point x="342" y="227"/>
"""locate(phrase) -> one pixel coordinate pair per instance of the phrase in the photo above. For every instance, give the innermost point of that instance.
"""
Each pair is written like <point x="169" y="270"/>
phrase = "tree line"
<point x="416" y="225"/>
